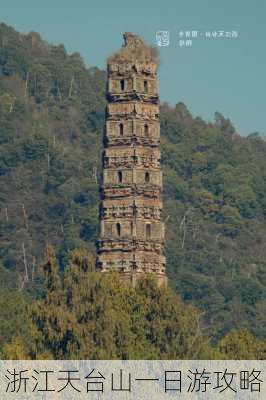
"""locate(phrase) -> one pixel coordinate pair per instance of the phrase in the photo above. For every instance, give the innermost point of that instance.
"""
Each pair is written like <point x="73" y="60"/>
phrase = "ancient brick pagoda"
<point x="131" y="232"/>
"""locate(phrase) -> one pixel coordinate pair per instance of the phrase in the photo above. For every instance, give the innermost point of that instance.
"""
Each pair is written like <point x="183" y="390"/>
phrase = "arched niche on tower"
<point x="119" y="128"/>
<point x="120" y="85"/>
<point x="117" y="177"/>
<point x="149" y="230"/>
<point x="148" y="177"/>
<point x="147" y="128"/>
<point x="117" y="228"/>
<point x="146" y="85"/>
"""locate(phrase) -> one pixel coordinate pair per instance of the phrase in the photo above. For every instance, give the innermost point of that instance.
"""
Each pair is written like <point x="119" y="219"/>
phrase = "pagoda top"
<point x="134" y="50"/>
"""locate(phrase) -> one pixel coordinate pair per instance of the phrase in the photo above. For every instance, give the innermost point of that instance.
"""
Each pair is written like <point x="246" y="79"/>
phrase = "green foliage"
<point x="84" y="314"/>
<point x="214" y="205"/>
<point x="12" y="307"/>
<point x="89" y="315"/>
<point x="241" y="345"/>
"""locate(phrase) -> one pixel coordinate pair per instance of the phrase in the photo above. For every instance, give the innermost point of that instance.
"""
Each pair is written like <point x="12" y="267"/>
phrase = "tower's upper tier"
<point x="135" y="57"/>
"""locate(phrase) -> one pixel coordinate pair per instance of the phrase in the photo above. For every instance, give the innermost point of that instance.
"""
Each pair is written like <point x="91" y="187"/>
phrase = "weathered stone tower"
<point x="131" y="232"/>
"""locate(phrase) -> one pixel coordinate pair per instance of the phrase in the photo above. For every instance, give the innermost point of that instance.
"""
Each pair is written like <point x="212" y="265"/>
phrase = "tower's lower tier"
<point x="132" y="260"/>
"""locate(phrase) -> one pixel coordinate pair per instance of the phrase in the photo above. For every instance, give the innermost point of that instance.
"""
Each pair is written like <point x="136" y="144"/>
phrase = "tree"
<point x="224" y="124"/>
<point x="241" y="345"/>
<point x="86" y="314"/>
<point x="13" y="304"/>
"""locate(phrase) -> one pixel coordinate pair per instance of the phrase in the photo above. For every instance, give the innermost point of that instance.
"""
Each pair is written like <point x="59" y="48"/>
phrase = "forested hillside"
<point x="52" y="110"/>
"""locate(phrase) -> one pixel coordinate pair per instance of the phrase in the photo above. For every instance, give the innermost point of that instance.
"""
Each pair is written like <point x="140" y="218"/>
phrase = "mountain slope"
<point x="51" y="119"/>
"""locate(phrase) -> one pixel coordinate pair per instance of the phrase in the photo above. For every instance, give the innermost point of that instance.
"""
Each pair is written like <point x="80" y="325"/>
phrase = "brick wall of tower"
<point x="131" y="231"/>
